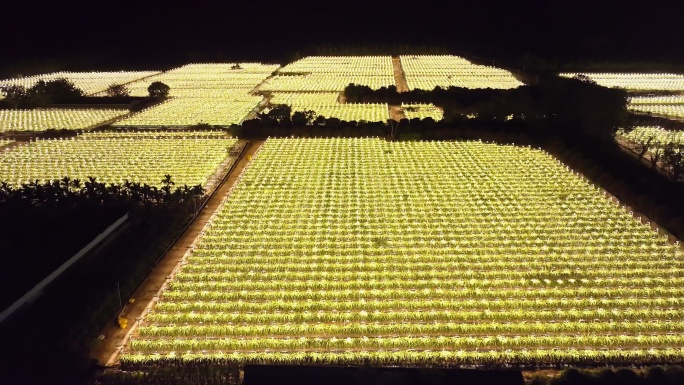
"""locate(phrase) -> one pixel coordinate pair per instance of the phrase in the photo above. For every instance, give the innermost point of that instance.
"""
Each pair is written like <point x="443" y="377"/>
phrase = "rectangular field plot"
<point x="326" y="104"/>
<point x="428" y="72"/>
<point x="332" y="73"/>
<point x="41" y="120"/>
<point x="112" y="158"/>
<point x="185" y="111"/>
<point x="360" y="250"/>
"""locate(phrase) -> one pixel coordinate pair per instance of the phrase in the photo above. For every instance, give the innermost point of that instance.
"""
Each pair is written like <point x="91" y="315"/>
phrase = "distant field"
<point x="426" y="72"/>
<point x="360" y="250"/>
<point x="636" y="81"/>
<point x="333" y="73"/>
<point x="210" y="93"/>
<point x="206" y="80"/>
<point x="223" y="94"/>
<point x="190" y="158"/>
<point x="188" y="111"/>
<point x="90" y="82"/>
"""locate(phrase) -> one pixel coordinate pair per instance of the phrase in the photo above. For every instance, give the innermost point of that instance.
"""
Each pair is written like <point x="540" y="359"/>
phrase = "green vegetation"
<point x="355" y="250"/>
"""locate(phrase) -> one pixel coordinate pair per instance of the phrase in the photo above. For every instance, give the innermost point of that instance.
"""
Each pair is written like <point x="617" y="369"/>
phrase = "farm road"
<point x="395" y="111"/>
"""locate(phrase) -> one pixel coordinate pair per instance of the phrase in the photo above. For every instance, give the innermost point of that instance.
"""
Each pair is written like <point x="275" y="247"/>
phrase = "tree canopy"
<point x="41" y="94"/>
<point x="158" y="90"/>
<point x="118" y="91"/>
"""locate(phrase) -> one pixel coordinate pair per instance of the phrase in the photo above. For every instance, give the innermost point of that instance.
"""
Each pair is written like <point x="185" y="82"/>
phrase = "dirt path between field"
<point x="399" y="75"/>
<point x="115" y="337"/>
<point x="395" y="111"/>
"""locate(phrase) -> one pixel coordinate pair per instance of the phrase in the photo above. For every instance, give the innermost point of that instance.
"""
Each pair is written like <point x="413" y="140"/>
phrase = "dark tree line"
<point x="63" y="91"/>
<point x="568" y="106"/>
<point x="41" y="94"/>
<point x="75" y="192"/>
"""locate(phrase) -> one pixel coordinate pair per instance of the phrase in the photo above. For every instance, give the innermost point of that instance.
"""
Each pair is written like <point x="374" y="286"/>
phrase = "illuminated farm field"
<point x="360" y="250"/>
<point x="655" y="136"/>
<point x="189" y="157"/>
<point x="187" y="111"/>
<point x="636" y="81"/>
<point x="40" y="120"/>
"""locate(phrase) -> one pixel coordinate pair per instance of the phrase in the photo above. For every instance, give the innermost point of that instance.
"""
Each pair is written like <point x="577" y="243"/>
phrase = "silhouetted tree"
<point x="117" y="91"/>
<point x="655" y="154"/>
<point x="278" y="114"/>
<point x="158" y="90"/>
<point x="54" y="90"/>
<point x="15" y="95"/>
<point x="673" y="159"/>
<point x="643" y="145"/>
<point x="303" y="118"/>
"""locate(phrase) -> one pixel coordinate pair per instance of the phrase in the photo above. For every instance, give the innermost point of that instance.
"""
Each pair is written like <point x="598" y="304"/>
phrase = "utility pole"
<point x="118" y="290"/>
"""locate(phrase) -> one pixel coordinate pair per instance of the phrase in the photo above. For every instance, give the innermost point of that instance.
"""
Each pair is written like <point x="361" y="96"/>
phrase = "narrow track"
<point x="395" y="112"/>
<point x="399" y="75"/>
<point x="108" y="353"/>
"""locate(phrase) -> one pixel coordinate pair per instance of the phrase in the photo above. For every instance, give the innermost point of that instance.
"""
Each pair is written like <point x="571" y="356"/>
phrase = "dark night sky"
<point x="152" y="32"/>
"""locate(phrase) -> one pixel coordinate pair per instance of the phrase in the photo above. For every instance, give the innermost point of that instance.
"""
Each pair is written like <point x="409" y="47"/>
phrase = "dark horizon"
<point x="134" y="34"/>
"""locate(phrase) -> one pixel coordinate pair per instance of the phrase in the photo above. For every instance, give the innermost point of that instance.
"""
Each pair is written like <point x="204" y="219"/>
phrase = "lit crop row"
<point x="361" y="250"/>
<point x="304" y="99"/>
<point x="660" y="99"/>
<point x="88" y="82"/>
<point x="422" y="111"/>
<point x="225" y="68"/>
<point x="430" y="82"/>
<point x="669" y="110"/>
<point x="666" y="105"/>
<point x="428" y="72"/>
<point x="325" y="82"/>
<point x="110" y="158"/>
<point x="326" y="104"/>
<point x="364" y="65"/>
<point x="369" y="112"/>
<point x="656" y="136"/>
<point x="536" y="357"/>
<point x="636" y="81"/>
<point x="40" y="120"/>
<point x="154" y="134"/>
<point x="186" y="111"/>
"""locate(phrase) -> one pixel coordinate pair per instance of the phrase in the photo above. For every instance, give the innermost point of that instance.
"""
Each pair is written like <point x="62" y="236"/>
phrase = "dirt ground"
<point x="399" y="76"/>
<point x="396" y="113"/>
<point x="108" y="352"/>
